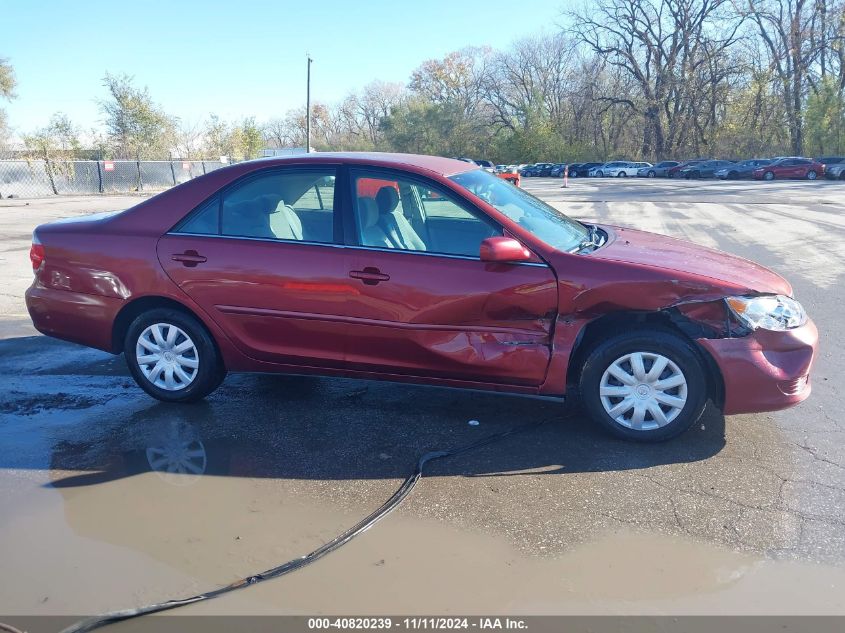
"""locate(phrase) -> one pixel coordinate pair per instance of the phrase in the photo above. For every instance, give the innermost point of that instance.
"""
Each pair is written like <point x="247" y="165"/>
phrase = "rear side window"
<point x="279" y="204"/>
<point x="205" y="220"/>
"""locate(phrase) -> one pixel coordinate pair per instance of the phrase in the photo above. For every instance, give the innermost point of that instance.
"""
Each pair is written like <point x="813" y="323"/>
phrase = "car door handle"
<point x="370" y="276"/>
<point x="189" y="258"/>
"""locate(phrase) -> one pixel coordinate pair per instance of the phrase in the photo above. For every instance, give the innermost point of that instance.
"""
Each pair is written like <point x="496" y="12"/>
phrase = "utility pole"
<point x="308" y="107"/>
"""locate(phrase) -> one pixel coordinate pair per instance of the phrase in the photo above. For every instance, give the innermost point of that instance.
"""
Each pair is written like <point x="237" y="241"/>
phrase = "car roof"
<point x="418" y="162"/>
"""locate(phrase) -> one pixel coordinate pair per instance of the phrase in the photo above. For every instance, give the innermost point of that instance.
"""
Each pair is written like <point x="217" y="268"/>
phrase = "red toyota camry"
<point x="424" y="270"/>
<point x="791" y="167"/>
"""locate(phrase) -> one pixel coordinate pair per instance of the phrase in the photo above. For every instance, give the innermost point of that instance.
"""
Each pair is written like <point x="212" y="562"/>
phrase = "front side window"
<point x="544" y="221"/>
<point x="401" y="214"/>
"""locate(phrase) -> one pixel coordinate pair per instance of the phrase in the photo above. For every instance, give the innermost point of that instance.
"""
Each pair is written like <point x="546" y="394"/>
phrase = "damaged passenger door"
<point x="426" y="304"/>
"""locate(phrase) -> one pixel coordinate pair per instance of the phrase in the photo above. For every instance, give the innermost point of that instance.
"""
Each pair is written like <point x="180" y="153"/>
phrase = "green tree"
<point x="59" y="139"/>
<point x="824" y="116"/>
<point x="7" y="79"/>
<point x="137" y="127"/>
<point x="7" y="91"/>
<point x="251" y="138"/>
<point x="239" y="141"/>
<point x="421" y="127"/>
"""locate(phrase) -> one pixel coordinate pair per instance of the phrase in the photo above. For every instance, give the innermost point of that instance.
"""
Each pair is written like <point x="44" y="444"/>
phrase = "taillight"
<point x="36" y="254"/>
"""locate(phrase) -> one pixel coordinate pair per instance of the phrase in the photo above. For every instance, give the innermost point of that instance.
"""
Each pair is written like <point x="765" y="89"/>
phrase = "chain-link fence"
<point x="36" y="178"/>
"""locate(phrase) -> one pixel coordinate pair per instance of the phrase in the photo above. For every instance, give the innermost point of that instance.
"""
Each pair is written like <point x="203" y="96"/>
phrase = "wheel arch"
<point x="136" y="307"/>
<point x="614" y="323"/>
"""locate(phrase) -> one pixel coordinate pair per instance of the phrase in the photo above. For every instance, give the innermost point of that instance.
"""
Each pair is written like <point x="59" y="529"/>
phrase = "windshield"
<point x="547" y="223"/>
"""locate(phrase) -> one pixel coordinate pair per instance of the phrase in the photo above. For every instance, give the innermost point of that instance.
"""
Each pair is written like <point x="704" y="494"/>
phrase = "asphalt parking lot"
<point x="744" y="514"/>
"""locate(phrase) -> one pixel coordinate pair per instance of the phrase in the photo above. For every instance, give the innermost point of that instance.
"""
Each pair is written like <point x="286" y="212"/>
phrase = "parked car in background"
<point x="601" y="170"/>
<point x="557" y="170"/>
<point x="741" y="170"/>
<point x="625" y="169"/>
<point x="673" y="172"/>
<point x="657" y="171"/>
<point x="705" y="169"/>
<point x="537" y="169"/>
<point x="512" y="177"/>
<point x="790" y="168"/>
<point x="582" y="170"/>
<point x="486" y="165"/>
<point x="459" y="279"/>
<point x="501" y="168"/>
<point x="830" y="160"/>
<point x="835" y="171"/>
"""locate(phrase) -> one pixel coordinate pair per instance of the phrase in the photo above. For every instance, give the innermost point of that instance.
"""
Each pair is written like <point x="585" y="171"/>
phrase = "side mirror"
<point x="502" y="250"/>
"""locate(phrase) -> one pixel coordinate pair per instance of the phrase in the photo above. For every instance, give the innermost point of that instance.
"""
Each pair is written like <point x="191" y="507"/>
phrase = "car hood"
<point x="670" y="254"/>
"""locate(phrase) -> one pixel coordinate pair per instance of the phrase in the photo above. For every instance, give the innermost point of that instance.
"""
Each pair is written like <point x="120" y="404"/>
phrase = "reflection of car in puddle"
<point x="179" y="446"/>
<point x="179" y="456"/>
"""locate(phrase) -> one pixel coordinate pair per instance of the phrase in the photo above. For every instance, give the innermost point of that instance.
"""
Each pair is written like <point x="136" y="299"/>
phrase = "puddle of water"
<point x="146" y="538"/>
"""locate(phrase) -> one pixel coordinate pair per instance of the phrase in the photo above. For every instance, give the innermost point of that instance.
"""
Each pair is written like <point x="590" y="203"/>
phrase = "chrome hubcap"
<point x="167" y="356"/>
<point x="643" y="391"/>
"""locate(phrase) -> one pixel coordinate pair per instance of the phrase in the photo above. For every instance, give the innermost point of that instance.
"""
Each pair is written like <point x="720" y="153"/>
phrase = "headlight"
<point x="769" y="312"/>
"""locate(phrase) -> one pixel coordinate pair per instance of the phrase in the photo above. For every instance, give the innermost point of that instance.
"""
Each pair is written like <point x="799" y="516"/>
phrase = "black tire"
<point x="655" y="341"/>
<point x="652" y="174"/>
<point x="621" y="174"/>
<point x="599" y="174"/>
<point x="210" y="371"/>
<point x="769" y="175"/>
<point x="812" y="175"/>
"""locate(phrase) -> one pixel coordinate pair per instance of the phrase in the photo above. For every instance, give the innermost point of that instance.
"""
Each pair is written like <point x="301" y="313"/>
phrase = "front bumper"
<point x="765" y="371"/>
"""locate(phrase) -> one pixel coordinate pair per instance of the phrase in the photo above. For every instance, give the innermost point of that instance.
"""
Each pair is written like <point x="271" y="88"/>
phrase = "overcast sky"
<point x="236" y="58"/>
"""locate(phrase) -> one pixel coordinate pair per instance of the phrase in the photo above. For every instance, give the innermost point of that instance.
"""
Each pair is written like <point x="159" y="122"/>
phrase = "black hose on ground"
<point x="362" y="526"/>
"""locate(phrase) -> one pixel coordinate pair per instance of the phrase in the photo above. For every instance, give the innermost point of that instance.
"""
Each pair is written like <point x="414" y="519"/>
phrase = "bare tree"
<point x="785" y="28"/>
<point x="661" y="44"/>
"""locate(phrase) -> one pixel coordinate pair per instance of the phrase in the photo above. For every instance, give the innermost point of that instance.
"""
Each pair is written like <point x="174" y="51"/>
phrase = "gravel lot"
<point x="744" y="514"/>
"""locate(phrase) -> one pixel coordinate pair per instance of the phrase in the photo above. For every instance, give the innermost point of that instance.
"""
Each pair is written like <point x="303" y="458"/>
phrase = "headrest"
<point x="387" y="199"/>
<point x="255" y="206"/>
<point x="281" y="206"/>
<point x="367" y="212"/>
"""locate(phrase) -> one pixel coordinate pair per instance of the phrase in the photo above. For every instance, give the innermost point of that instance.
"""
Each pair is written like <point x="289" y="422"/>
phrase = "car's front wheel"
<point x="599" y="174"/>
<point x="644" y="385"/>
<point x="652" y="174"/>
<point x="621" y="174"/>
<point x="172" y="357"/>
<point x="769" y="175"/>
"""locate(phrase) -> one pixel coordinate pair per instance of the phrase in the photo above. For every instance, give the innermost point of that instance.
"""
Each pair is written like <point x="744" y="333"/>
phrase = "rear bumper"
<point x="765" y="371"/>
<point x="73" y="316"/>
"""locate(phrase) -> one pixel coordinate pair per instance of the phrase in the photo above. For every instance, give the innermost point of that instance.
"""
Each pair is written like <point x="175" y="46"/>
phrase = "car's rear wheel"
<point x="599" y="174"/>
<point x="172" y="357"/>
<point x="644" y="385"/>
<point x="768" y="175"/>
<point x="621" y="174"/>
<point x="812" y="175"/>
<point x="652" y="174"/>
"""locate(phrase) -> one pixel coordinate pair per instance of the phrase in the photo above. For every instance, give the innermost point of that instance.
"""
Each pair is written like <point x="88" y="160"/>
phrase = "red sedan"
<point x="425" y="270"/>
<point x="795" y="168"/>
